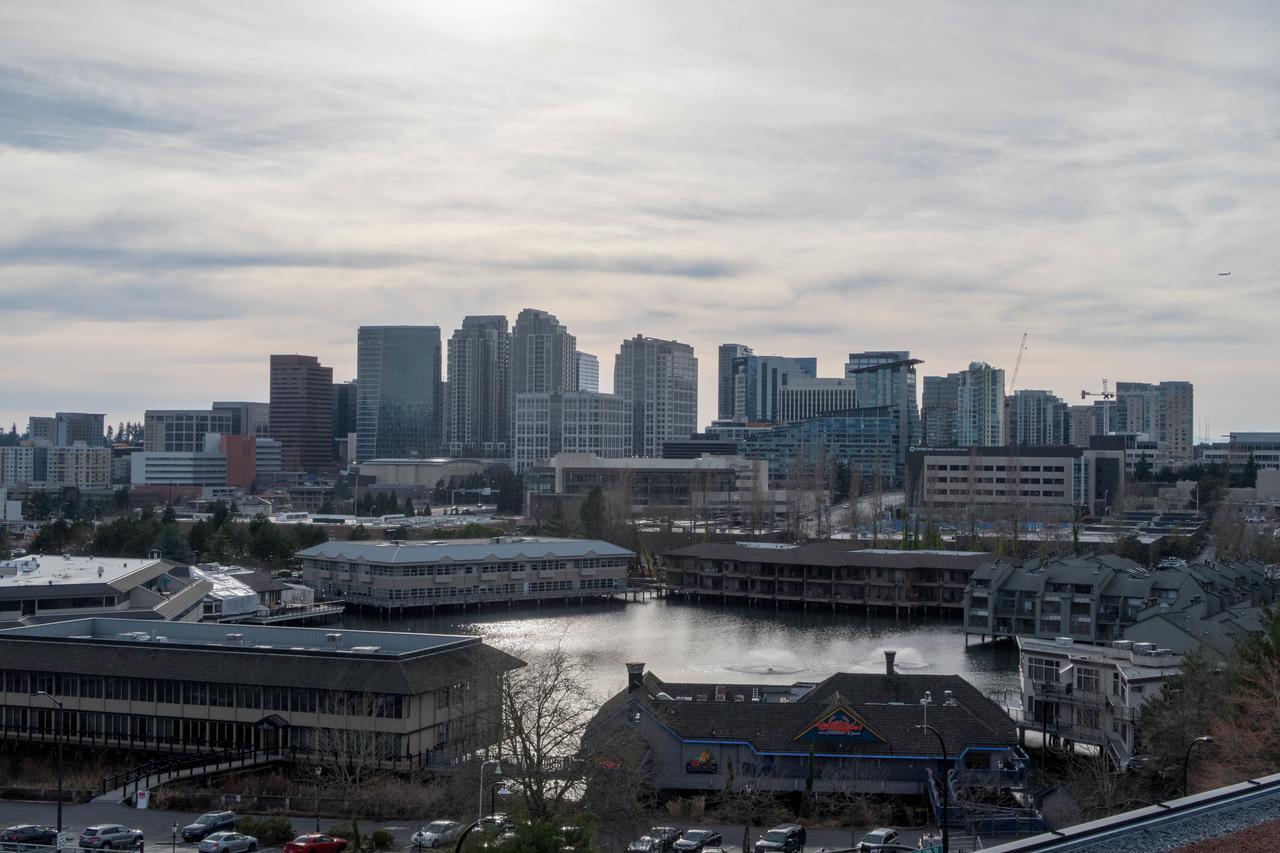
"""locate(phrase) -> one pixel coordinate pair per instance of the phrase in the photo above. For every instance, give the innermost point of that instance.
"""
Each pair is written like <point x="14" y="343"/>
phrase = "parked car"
<point x="665" y="836"/>
<point x="694" y="840"/>
<point x="787" y="838"/>
<point x="30" y="833"/>
<point x="498" y="823"/>
<point x="644" y="844"/>
<point x="228" y="842"/>
<point x="314" y="842"/>
<point x="877" y="838"/>
<point x="436" y="833"/>
<point x="207" y="824"/>
<point x="110" y="836"/>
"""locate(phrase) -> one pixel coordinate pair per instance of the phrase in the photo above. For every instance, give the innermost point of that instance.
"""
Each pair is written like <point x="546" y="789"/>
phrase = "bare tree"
<point x="620" y="783"/>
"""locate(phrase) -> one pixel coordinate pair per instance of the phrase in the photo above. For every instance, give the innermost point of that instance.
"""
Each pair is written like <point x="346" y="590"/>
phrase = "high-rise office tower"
<point x="758" y="381"/>
<point x="659" y="381"/>
<point x="939" y="404"/>
<point x="478" y="400"/>
<point x="344" y="409"/>
<point x="980" y="406"/>
<point x="1164" y="411"/>
<point x="398" y="392"/>
<point x="804" y="397"/>
<point x="302" y="411"/>
<point x="1037" y="419"/>
<point x="888" y="378"/>
<point x="588" y="372"/>
<point x="729" y="354"/>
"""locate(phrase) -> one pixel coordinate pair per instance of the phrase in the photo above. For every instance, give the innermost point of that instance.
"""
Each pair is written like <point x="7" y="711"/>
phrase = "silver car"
<point x="228" y="842"/>
<point x="110" y="836"/>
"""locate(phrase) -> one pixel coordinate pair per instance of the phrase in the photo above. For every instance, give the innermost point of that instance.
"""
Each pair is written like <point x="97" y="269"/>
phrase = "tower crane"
<point x="1104" y="393"/>
<point x="1013" y="379"/>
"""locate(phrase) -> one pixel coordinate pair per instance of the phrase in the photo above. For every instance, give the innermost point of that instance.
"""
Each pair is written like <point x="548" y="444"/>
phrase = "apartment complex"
<point x="398" y="392"/>
<point x="980" y="406"/>
<point x="659" y="381"/>
<point x="478" y="401"/>
<point x="1037" y="419"/>
<point x="412" y="575"/>
<point x="543" y="354"/>
<point x="413" y="700"/>
<point x="42" y="467"/>
<point x="827" y="574"/>
<point x="939" y="410"/>
<point x="1164" y="411"/>
<point x="302" y="412"/>
<point x="65" y="429"/>
<point x="546" y="424"/>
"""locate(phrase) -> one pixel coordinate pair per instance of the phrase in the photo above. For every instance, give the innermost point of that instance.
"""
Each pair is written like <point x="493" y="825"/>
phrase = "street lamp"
<point x="498" y="766"/>
<point x="496" y="789"/>
<point x="1186" y="759"/>
<point x="946" y="794"/>
<point x="319" y="773"/>
<point x="58" y="736"/>
<point x="174" y="830"/>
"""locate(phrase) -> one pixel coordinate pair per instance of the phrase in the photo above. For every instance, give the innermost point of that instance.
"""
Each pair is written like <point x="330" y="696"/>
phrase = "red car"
<point x="316" y="843"/>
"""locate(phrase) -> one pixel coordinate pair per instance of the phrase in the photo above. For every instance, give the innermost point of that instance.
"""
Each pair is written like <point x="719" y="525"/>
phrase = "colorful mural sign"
<point x="840" y="725"/>
<point x="704" y="762"/>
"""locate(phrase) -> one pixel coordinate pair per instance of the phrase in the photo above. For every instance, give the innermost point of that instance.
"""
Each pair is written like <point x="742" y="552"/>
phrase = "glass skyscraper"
<point x="398" y="392"/>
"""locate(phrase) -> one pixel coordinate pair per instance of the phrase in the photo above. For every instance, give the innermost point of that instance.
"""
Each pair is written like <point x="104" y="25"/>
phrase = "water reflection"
<point x="685" y="642"/>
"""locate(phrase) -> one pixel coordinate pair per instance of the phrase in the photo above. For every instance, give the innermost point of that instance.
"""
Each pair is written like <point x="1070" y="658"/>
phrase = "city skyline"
<point x="266" y="180"/>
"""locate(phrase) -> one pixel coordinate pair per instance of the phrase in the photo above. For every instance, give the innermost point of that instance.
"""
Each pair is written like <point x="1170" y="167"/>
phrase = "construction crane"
<point x="1013" y="379"/>
<point x="1104" y="393"/>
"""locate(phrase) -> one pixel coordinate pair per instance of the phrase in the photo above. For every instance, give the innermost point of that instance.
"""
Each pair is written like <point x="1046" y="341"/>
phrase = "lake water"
<point x="686" y="642"/>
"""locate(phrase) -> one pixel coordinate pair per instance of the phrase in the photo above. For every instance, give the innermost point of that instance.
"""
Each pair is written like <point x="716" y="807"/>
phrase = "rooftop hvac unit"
<point x="367" y="650"/>
<point x="235" y="639"/>
<point x="333" y="639"/>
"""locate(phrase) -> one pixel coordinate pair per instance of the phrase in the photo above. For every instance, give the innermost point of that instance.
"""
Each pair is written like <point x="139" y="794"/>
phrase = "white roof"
<point x="47" y="570"/>
<point x="462" y="551"/>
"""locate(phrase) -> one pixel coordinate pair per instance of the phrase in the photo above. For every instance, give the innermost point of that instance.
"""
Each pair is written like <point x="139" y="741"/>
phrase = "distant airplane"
<point x="1224" y="273"/>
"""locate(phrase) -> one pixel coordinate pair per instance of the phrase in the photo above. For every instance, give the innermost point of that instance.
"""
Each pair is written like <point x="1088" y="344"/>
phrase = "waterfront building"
<point x="406" y="700"/>
<point x="939" y="410"/>
<point x="398" y="391"/>
<point x="570" y="422"/>
<point x="805" y="397"/>
<point x="850" y="733"/>
<point x="588" y="373"/>
<point x="1036" y="419"/>
<point x="804" y="452"/>
<point x="980" y="406"/>
<point x="659" y="381"/>
<point x="478" y="402"/>
<point x="43" y="588"/>
<point x="182" y="430"/>
<point x="406" y="575"/>
<point x="826" y="574"/>
<point x="886" y="379"/>
<point x="728" y="356"/>
<point x="247" y="418"/>
<point x="1051" y="481"/>
<point x="758" y="381"/>
<point x="1164" y="411"/>
<point x="302" y="412"/>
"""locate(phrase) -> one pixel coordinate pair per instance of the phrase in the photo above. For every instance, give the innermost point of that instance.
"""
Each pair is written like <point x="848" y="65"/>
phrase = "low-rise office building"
<point x="404" y="575"/>
<point x="414" y="700"/>
<point x="825" y="574"/>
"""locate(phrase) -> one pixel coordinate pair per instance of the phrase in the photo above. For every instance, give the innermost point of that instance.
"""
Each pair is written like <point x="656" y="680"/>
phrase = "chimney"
<point x="635" y="676"/>
<point x="889" y="655"/>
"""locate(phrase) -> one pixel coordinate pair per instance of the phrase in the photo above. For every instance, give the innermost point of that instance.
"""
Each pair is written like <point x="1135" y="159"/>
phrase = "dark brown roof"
<point x="831" y="553"/>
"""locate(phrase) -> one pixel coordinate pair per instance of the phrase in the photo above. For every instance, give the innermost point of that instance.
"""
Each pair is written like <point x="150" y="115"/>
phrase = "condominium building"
<point x="728" y="356"/>
<point x="980" y="406"/>
<point x="659" y="381"/>
<point x="400" y="699"/>
<point x="1036" y="418"/>
<point x="570" y="422"/>
<point x="1164" y="411"/>
<point x="407" y="575"/>
<point x="67" y="428"/>
<point x="588" y="372"/>
<point x="302" y="412"/>
<point x="939" y="410"/>
<point x="398" y="392"/>
<point x="1077" y="425"/>
<point x="478" y="402"/>
<point x="758" y="381"/>
<point x="182" y="430"/>
<point x="804" y="397"/>
<point x="543" y="354"/>
<point x="247" y="418"/>
<point x="41" y="467"/>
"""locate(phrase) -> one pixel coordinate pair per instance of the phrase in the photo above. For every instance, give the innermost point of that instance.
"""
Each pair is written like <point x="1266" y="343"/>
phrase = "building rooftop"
<point x="49" y="570"/>
<point x="462" y="550"/>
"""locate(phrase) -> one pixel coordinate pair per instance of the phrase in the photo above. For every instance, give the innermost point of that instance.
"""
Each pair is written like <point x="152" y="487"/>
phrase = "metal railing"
<point x="140" y="776"/>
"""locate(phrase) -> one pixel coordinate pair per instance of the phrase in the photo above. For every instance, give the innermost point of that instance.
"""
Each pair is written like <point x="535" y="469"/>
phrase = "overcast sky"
<point x="188" y="187"/>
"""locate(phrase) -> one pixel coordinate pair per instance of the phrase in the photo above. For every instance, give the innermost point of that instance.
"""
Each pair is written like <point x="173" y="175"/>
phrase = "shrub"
<point x="275" y="829"/>
<point x="382" y="840"/>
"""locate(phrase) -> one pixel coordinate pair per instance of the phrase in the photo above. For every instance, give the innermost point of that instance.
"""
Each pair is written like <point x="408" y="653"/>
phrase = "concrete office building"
<point x="253" y="419"/>
<point x="1234" y="453"/>
<point x="65" y="429"/>
<point x="407" y="575"/>
<point x="411" y="700"/>
<point x="1036" y="418"/>
<point x="588" y="373"/>
<point x="1051" y="481"/>
<point x="182" y="430"/>
<point x="728" y="356"/>
<point x="205" y="467"/>
<point x="805" y="397"/>
<point x="887" y="379"/>
<point x="570" y="422"/>
<point x="980" y="406"/>
<point x="758" y="381"/>
<point x="1163" y="411"/>
<point x="478" y="402"/>
<point x="398" y="392"/>
<point x="302" y="412"/>
<point x="939" y="410"/>
<point x="659" y="381"/>
<point x="799" y="453"/>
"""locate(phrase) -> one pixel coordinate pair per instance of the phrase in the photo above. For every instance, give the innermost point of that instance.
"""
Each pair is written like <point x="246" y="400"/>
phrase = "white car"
<point x="436" y="833"/>
<point x="228" y="842"/>
<point x="876" y="838"/>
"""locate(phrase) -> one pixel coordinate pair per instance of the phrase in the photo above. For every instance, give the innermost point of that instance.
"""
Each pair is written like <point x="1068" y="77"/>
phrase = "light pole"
<point x="319" y="772"/>
<point x="58" y="736"/>
<point x="173" y="847"/>
<point x="1186" y="759"/>
<point x="496" y="764"/>
<point x="496" y="788"/>
<point x="946" y="794"/>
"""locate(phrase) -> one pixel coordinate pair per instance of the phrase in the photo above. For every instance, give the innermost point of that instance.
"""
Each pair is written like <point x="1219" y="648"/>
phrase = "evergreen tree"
<point x="359" y="533"/>
<point x="591" y="514"/>
<point x="408" y="507"/>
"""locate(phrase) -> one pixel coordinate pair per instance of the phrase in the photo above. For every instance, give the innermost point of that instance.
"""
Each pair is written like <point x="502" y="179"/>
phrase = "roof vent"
<point x="100" y="570"/>
<point x="889" y="655"/>
<point x="664" y="696"/>
<point x="160" y="639"/>
<point x="235" y="639"/>
<point x="1064" y="641"/>
<point x="334" y="640"/>
<point x="366" y="650"/>
<point x="948" y="698"/>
